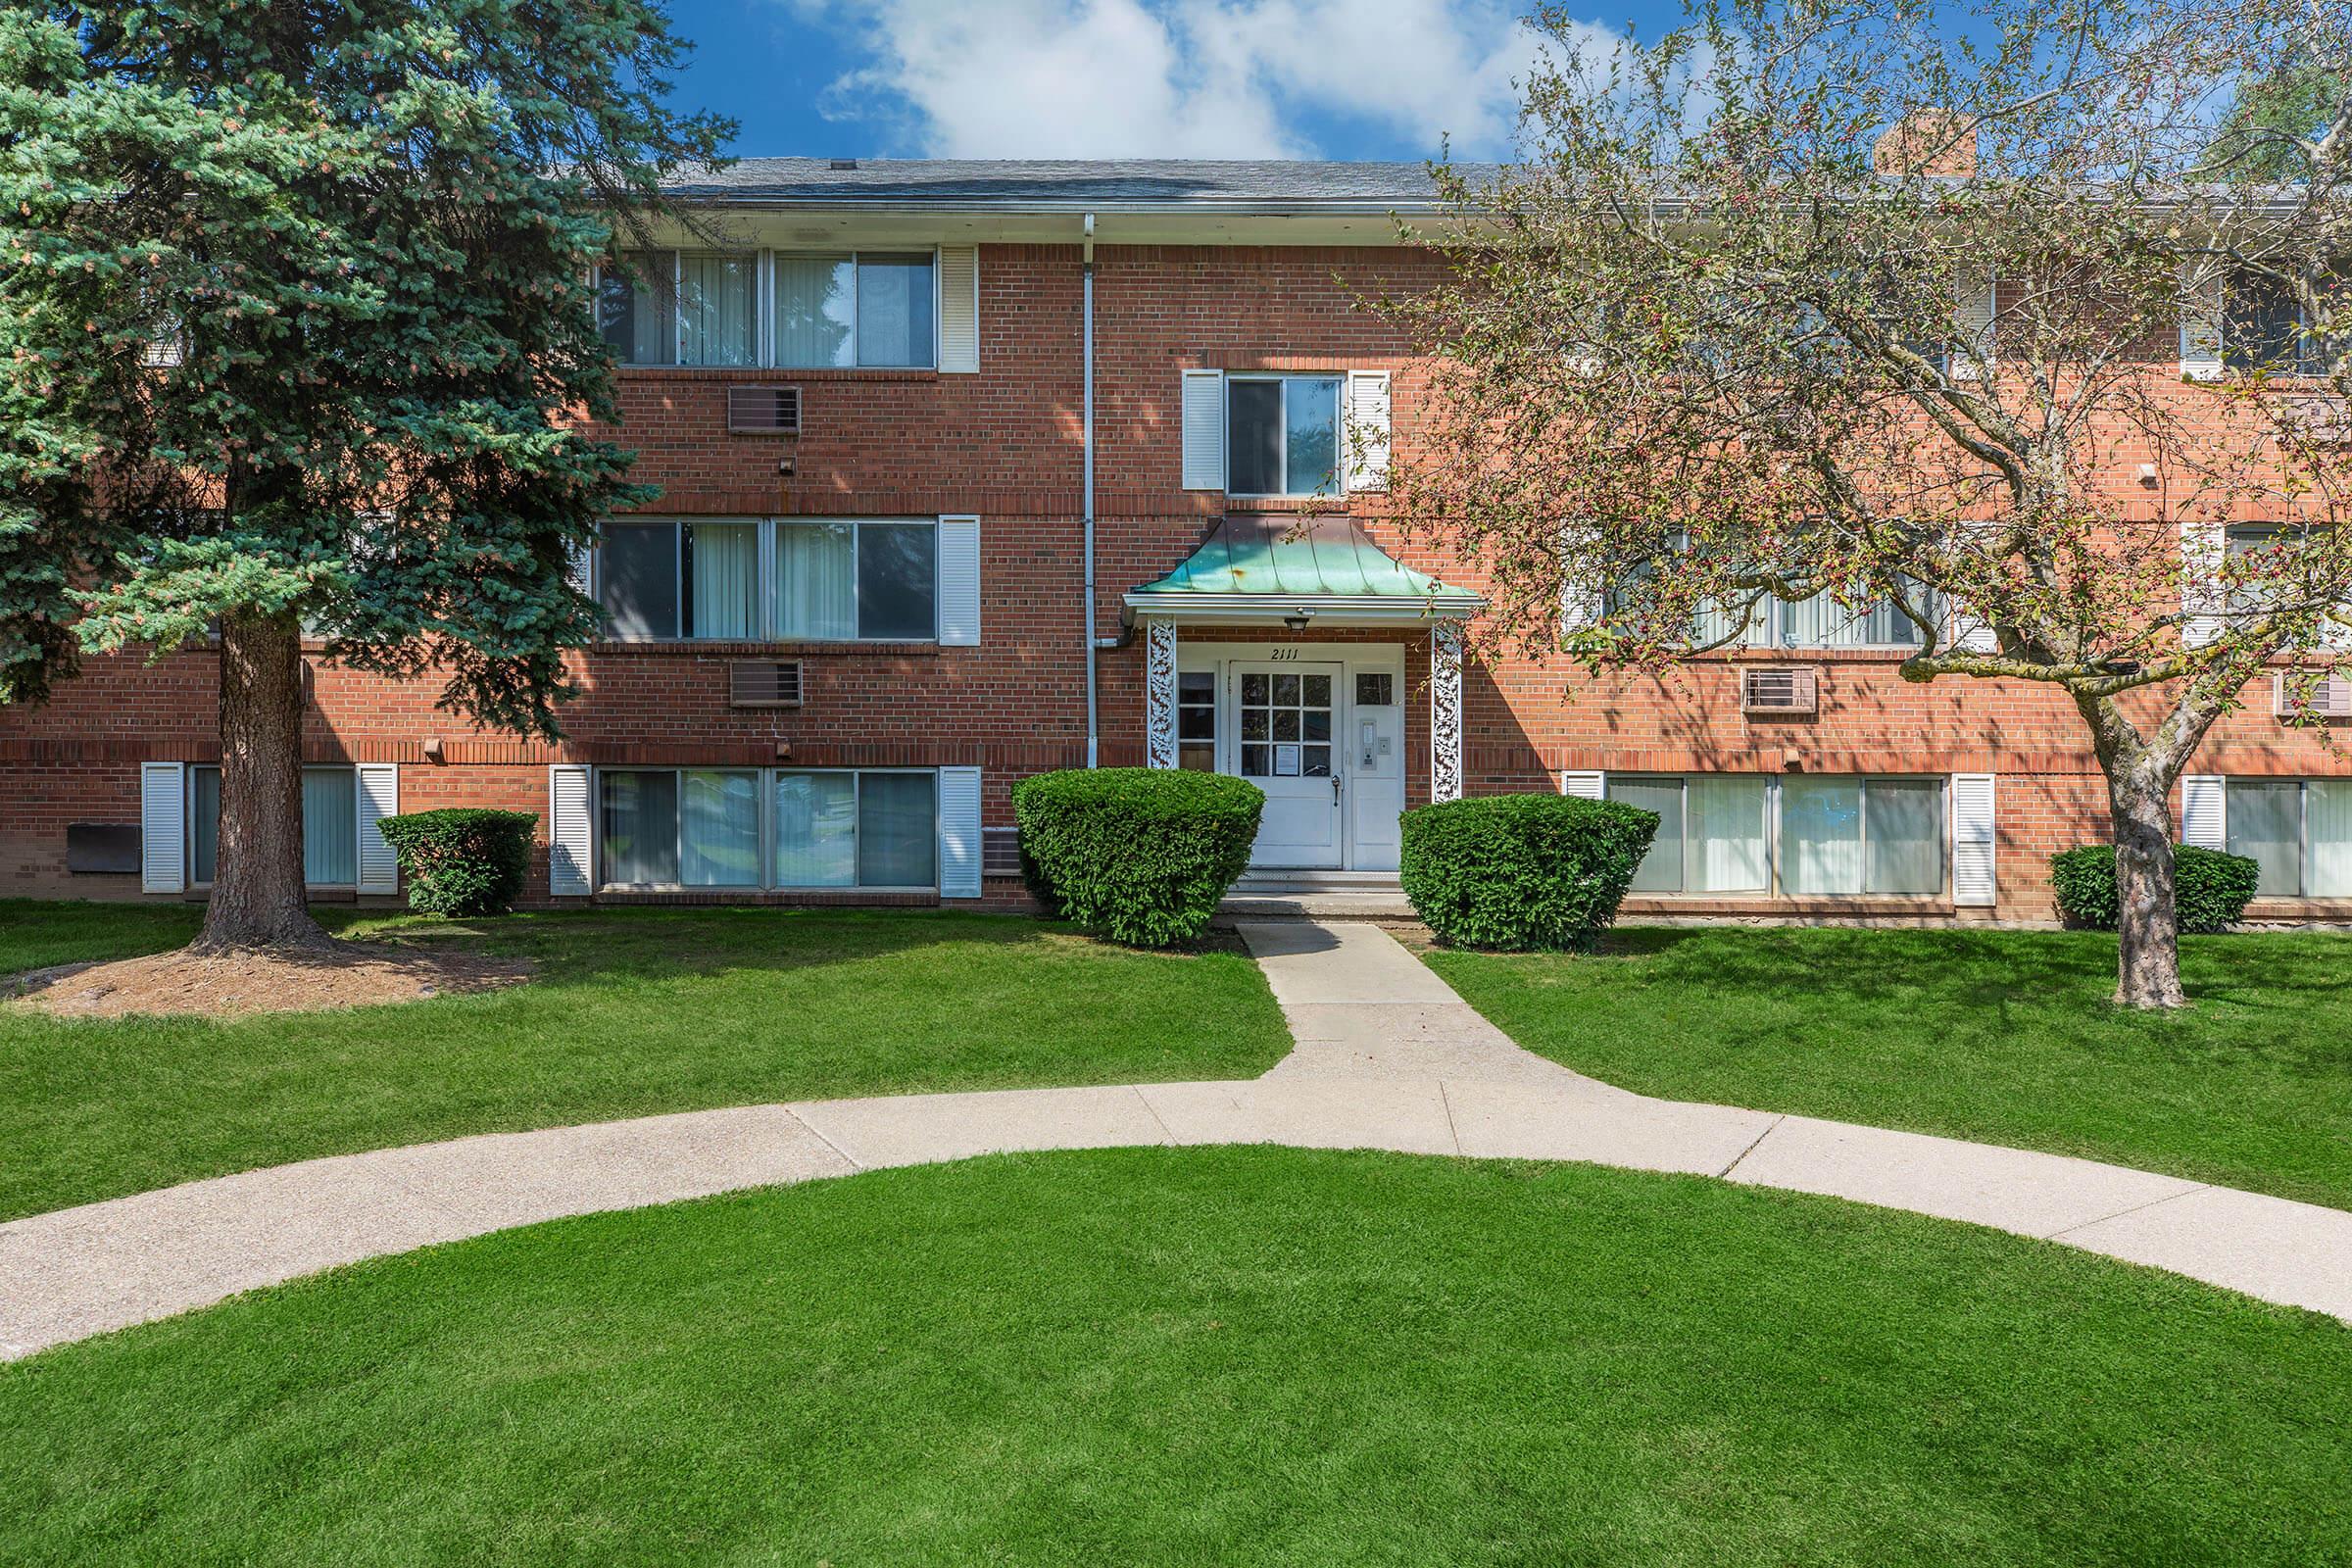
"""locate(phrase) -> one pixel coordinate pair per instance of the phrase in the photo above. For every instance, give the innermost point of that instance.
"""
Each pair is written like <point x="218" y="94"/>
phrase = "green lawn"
<point x="634" y="1011"/>
<point x="1240" y="1356"/>
<point x="2002" y="1036"/>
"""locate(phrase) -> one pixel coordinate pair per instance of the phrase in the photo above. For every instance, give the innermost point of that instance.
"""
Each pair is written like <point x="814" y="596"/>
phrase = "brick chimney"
<point x="1928" y="141"/>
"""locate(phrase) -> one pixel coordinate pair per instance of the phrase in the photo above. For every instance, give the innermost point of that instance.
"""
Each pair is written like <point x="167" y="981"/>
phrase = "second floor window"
<point x="1283" y="435"/>
<point x="2264" y="329"/>
<point x="868" y="309"/>
<point x="769" y="579"/>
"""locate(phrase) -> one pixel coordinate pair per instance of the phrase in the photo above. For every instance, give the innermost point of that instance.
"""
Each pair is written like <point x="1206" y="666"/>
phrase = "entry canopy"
<point x="1271" y="566"/>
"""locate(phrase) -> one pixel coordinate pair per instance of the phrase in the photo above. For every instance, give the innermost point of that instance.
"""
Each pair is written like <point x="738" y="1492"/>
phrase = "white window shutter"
<point x="1367" y="433"/>
<point x="958" y="832"/>
<point x="570" y="832"/>
<point x="1580" y="603"/>
<point x="2201" y="321"/>
<point x="958" y="309"/>
<point x="2204" y="549"/>
<point x="1584" y="786"/>
<point x="163" y="827"/>
<point x="1973" y="355"/>
<point x="959" y="582"/>
<point x="378" y="797"/>
<point x="2205" y="810"/>
<point x="1973" y="841"/>
<point x="1204" y="430"/>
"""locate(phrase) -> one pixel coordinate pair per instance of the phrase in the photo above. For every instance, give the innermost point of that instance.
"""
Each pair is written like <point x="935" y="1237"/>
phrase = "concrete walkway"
<point x="1387" y="1057"/>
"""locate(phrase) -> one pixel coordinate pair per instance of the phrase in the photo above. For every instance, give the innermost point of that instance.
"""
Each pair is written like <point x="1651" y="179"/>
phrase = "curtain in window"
<point x="636" y="313"/>
<point x="331" y="827"/>
<point x="817" y="580"/>
<point x="2327" y="811"/>
<point x="1726" y="816"/>
<point x="816" y="831"/>
<point x="1906" y="836"/>
<point x="638" y="579"/>
<point x="897" y="581"/>
<point x="894" y="310"/>
<point x="1822" y="622"/>
<point x="815" y="310"/>
<point x="204" y="822"/>
<point x="2266" y="821"/>
<point x="726" y="579"/>
<point x="1713" y="623"/>
<point x="1821" y="835"/>
<point x="898" y="830"/>
<point x="640" y="843"/>
<point x="1661" y="869"/>
<point x="719" y="830"/>
<point x="718" y="310"/>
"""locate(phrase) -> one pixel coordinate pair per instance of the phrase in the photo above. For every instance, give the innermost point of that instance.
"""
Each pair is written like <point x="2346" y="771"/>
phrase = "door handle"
<point x="1335" y="788"/>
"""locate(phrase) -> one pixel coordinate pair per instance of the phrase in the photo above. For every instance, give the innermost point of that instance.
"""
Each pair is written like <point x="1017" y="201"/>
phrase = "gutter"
<point x="1086" y="337"/>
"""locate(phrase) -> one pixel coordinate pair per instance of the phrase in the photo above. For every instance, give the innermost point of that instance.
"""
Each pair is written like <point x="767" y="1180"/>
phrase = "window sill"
<point x="778" y="373"/>
<point x="1303" y="504"/>
<point x="1868" y="904"/>
<point x="762" y="650"/>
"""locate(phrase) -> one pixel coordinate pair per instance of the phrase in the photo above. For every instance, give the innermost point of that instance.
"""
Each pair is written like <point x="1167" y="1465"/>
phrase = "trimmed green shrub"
<point x="1138" y="854"/>
<point x="1515" y="872"/>
<point x="464" y="859"/>
<point x="2211" y="888"/>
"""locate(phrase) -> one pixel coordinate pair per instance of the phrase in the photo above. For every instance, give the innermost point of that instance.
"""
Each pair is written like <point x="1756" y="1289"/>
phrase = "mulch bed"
<point x="346" y="975"/>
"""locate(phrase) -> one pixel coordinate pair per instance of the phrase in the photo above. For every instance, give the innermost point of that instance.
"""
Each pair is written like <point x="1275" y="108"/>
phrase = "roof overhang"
<point x="1275" y="610"/>
<point x="1259" y="569"/>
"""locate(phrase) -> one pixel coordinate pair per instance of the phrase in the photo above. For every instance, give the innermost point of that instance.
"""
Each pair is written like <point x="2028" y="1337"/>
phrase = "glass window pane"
<point x="898" y="830"/>
<point x="720" y="830"/>
<point x="1726" y="835"/>
<point x="1906" y="836"/>
<point x="817" y="580"/>
<point x="724" y="569"/>
<point x="2266" y="823"/>
<point x="640" y="843"/>
<point x="2328" y="814"/>
<point x="895" y="580"/>
<point x="1821" y="835"/>
<point x="1312" y="419"/>
<point x="816" y="831"/>
<point x="1661" y="869"/>
<point x="638" y="579"/>
<point x="203" y="822"/>
<point x="331" y="828"/>
<point x="638" y="317"/>
<point x="894" y="310"/>
<point x="1253" y="437"/>
<point x="816" y="309"/>
<point x="718" y="310"/>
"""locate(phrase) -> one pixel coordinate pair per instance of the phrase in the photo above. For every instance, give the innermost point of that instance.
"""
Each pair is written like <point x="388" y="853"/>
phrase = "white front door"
<point x="1287" y="719"/>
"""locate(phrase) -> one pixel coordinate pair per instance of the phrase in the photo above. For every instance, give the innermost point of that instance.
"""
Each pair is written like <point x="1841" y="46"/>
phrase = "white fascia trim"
<point x="1255" y="609"/>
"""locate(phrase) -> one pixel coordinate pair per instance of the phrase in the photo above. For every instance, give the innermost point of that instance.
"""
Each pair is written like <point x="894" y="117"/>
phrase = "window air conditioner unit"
<point x="763" y="683"/>
<point x="2330" y="698"/>
<point x="763" y="410"/>
<point x="1777" y="691"/>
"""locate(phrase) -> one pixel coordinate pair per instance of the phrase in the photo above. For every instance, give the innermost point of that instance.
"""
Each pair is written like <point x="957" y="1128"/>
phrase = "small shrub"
<point x="1138" y="854"/>
<point x="2211" y="888"/>
<point x="463" y="861"/>
<point x="1523" y="871"/>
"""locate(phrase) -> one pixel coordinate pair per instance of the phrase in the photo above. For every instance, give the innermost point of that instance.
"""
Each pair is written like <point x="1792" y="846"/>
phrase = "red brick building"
<point x="902" y="415"/>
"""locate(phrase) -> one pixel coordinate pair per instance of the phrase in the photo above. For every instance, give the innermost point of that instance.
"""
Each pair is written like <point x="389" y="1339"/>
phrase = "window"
<point x="330" y="826"/>
<point x="1816" y="622"/>
<point x="1837" y="837"/>
<point x="2262" y="329"/>
<point x="1197" y="720"/>
<point x="1283" y="435"/>
<point x="867" y="309"/>
<point x="703" y="828"/>
<point x="2298" y="831"/>
<point x="1286" y="725"/>
<point x="832" y="581"/>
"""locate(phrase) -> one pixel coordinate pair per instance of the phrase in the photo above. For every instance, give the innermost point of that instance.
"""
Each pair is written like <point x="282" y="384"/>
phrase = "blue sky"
<point x="1076" y="79"/>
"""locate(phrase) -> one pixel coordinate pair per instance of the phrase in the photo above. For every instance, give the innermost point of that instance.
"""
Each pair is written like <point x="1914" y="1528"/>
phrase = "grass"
<point x="1242" y="1355"/>
<point x="634" y="1012"/>
<point x="2006" y="1037"/>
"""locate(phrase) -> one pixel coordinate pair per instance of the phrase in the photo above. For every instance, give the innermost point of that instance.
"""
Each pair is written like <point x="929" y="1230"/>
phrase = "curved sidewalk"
<point x="1387" y="1057"/>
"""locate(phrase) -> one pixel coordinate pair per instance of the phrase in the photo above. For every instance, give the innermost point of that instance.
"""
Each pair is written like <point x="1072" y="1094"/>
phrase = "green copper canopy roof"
<point x="1308" y="562"/>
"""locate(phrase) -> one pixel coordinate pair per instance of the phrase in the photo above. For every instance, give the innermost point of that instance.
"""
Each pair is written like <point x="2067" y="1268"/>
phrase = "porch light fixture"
<point x="1298" y="618"/>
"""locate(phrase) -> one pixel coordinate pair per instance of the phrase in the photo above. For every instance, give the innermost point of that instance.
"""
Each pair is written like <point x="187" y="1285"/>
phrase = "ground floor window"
<point x="768" y="827"/>
<point x="330" y="832"/>
<point x="1801" y="836"/>
<point x="2298" y="831"/>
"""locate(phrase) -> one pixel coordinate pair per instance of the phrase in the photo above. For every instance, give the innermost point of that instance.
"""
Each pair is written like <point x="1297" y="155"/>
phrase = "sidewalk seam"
<point x="846" y="1157"/>
<point x="1451" y="1130"/>
<point x="2153" y="1203"/>
<point x="1772" y="1127"/>
<point x="1157" y="1120"/>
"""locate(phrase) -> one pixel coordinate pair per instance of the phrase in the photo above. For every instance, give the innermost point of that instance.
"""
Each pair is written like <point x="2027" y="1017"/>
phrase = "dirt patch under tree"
<point x="344" y="974"/>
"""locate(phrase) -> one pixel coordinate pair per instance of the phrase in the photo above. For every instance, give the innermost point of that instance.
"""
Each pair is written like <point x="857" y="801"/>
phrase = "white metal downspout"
<point x="1087" y="405"/>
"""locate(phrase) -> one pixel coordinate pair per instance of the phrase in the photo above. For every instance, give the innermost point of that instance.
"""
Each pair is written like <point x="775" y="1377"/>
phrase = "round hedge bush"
<point x="1141" y="855"/>
<point x="1519" y="872"/>
<point x="463" y="860"/>
<point x="2211" y="888"/>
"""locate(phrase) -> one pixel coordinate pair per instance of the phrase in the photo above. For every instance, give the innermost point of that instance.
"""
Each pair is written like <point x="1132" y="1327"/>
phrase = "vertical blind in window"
<point x="636" y="308"/>
<point x="817" y="589"/>
<point x="701" y="827"/>
<point x="2297" y="831"/>
<point x="725" y="558"/>
<point x="330" y="831"/>
<point x="816" y="302"/>
<point x="718" y="310"/>
<point x="718" y="829"/>
<point x="833" y="580"/>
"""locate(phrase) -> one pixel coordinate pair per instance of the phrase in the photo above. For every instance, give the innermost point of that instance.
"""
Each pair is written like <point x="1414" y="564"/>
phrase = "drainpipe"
<point x="1087" y="405"/>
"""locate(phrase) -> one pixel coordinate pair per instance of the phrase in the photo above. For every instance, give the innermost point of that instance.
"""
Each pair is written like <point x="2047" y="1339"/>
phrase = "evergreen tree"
<point x="293" y="308"/>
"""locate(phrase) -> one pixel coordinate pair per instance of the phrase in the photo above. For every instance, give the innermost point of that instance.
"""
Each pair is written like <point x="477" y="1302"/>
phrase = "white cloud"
<point x="1177" y="79"/>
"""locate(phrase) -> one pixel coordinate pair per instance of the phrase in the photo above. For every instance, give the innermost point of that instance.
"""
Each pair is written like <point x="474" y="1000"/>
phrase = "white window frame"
<point x="188" y="809"/>
<point x="1772" y="860"/>
<point x="1282" y="460"/>
<point x="763" y="307"/>
<point x="767" y="777"/>
<point x="2302" y="786"/>
<point x="767" y="630"/>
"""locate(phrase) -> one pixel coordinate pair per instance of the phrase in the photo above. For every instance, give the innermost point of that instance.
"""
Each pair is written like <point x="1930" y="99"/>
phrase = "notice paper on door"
<point x="1286" y="761"/>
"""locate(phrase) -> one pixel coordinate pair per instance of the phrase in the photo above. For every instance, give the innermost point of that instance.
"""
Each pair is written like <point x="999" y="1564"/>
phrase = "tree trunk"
<point x="2147" y="916"/>
<point x="256" y="878"/>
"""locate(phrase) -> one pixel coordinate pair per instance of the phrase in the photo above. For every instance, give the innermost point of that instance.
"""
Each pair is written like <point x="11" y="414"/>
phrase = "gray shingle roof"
<point x="1060" y="182"/>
